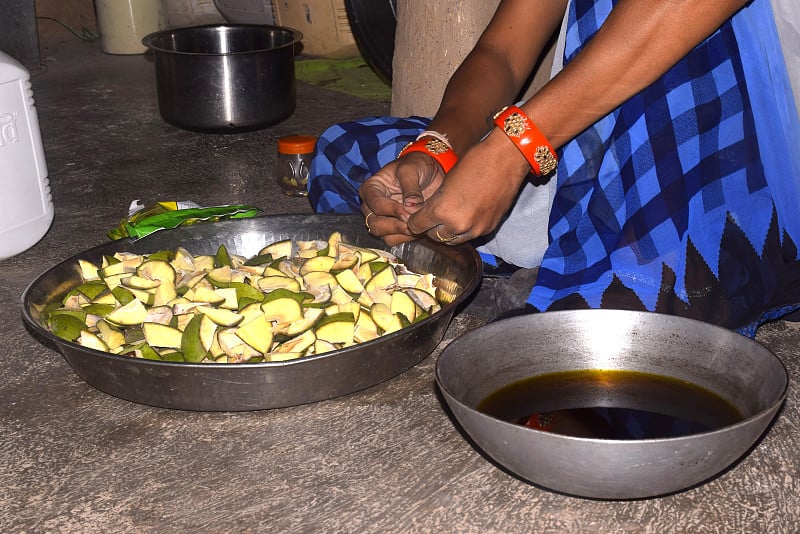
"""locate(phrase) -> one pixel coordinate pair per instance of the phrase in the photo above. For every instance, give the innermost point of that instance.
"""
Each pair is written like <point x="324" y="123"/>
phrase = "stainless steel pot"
<point x="225" y="78"/>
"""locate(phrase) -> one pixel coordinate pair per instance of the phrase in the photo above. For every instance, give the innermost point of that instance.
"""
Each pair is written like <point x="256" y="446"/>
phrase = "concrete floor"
<point x="387" y="459"/>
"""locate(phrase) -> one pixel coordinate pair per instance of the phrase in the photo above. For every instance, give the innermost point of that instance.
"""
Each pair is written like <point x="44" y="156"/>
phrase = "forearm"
<point x="494" y="73"/>
<point x="638" y="43"/>
<point x="466" y="108"/>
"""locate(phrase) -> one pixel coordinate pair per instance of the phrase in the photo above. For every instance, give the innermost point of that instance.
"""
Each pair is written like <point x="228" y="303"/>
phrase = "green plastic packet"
<point x="165" y="215"/>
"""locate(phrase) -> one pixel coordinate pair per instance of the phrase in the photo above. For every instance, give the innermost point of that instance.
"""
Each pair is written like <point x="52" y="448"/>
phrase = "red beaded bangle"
<point x="436" y="149"/>
<point x="529" y="140"/>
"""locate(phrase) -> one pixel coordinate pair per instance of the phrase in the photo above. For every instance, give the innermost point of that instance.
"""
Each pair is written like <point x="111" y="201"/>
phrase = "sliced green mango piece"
<point x="299" y="296"/>
<point x="296" y="345"/>
<point x="106" y="298"/>
<point x="260" y="259"/>
<point x="321" y="346"/>
<point x="147" y="297"/>
<point x="111" y="335"/>
<point x="348" y="280"/>
<point x="336" y="328"/>
<point x="279" y="249"/>
<point x="191" y="343"/>
<point x="310" y="318"/>
<point x="122" y="294"/>
<point x="164" y="255"/>
<point x="140" y="282"/>
<point x="319" y="279"/>
<point x="157" y="270"/>
<point x="183" y="260"/>
<point x="132" y="313"/>
<point x="383" y="278"/>
<point x="222" y="257"/>
<point x="91" y="341"/>
<point x="318" y="264"/>
<point x="88" y="270"/>
<point x="234" y="347"/>
<point x="282" y="310"/>
<point x="271" y="283"/>
<point x="246" y="291"/>
<point x="92" y="288"/>
<point x="384" y="318"/>
<point x="221" y="316"/>
<point x="257" y="333"/>
<point x="173" y="356"/>
<point x="160" y="335"/>
<point x="101" y="310"/>
<point x="66" y="326"/>
<point x="147" y="352"/>
<point x="403" y="304"/>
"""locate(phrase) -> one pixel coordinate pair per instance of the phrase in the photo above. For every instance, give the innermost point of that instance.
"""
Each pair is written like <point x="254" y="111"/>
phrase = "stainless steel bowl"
<point x="736" y="368"/>
<point x="225" y="78"/>
<point x="254" y="386"/>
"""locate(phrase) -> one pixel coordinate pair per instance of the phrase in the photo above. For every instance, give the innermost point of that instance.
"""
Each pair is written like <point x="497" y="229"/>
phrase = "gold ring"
<point x="366" y="221"/>
<point x="445" y="239"/>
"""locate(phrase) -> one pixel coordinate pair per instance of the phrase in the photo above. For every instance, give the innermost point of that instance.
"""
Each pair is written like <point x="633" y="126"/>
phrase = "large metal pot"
<point x="225" y="78"/>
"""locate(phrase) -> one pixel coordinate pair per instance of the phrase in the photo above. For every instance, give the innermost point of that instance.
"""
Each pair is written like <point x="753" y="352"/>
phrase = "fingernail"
<point x="412" y="201"/>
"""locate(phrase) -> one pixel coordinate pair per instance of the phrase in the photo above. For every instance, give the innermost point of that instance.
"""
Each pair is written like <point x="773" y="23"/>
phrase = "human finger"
<point x="441" y="234"/>
<point x="418" y="176"/>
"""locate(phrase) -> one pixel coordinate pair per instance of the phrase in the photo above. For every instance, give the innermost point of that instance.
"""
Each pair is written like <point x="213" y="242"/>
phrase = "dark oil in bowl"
<point x="611" y="404"/>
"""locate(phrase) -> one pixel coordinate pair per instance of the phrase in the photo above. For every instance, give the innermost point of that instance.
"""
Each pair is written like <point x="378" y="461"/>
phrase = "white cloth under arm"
<point x="787" y="21"/>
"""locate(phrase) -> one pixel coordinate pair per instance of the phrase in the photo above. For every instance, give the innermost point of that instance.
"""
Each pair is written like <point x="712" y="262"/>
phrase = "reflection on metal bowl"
<point x="738" y="369"/>
<point x="254" y="386"/>
<point x="225" y="78"/>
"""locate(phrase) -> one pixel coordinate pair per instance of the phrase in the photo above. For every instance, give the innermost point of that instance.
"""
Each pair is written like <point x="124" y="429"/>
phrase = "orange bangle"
<point x="529" y="140"/>
<point x="436" y="149"/>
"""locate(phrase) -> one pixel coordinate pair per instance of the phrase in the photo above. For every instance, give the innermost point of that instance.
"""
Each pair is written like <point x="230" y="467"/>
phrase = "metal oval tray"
<point x="256" y="386"/>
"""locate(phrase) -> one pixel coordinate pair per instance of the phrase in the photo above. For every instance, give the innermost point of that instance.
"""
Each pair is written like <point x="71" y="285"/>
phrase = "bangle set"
<point x="436" y="135"/>
<point x="517" y="126"/>
<point x="528" y="139"/>
<point x="437" y="147"/>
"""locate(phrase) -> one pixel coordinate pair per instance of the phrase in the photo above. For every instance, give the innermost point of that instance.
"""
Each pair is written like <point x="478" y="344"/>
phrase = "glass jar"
<point x="294" y="160"/>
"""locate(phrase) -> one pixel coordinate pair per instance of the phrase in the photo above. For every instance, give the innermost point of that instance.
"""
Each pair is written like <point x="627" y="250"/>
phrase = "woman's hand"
<point x="395" y="192"/>
<point x="475" y="195"/>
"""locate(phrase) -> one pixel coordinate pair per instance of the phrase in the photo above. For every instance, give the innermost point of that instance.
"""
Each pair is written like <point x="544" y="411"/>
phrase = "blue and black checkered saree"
<point x="684" y="200"/>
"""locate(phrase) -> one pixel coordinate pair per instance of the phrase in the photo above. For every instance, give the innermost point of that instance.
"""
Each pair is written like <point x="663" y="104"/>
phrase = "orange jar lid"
<point x="296" y="144"/>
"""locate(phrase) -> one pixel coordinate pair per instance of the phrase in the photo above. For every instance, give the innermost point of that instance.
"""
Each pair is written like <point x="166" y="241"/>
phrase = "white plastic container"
<point x="26" y="206"/>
